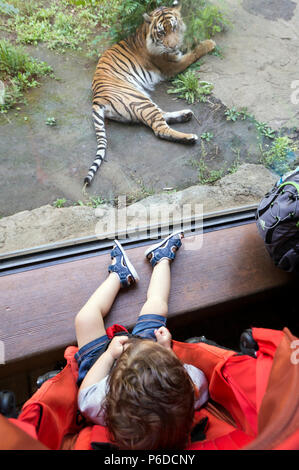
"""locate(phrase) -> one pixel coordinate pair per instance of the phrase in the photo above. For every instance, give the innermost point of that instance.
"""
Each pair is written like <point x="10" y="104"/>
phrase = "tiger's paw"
<point x="205" y="47"/>
<point x="209" y="45"/>
<point x="191" y="139"/>
<point x="186" y="115"/>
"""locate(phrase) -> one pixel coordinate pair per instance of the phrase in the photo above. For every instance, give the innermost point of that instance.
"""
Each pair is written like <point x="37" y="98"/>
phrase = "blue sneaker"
<point x="122" y="266"/>
<point x="165" y="249"/>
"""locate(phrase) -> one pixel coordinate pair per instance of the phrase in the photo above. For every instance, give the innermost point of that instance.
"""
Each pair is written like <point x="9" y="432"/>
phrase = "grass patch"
<point x="7" y="9"/>
<point x="277" y="151"/>
<point x="188" y="87"/>
<point x="210" y="176"/>
<point x="141" y="193"/>
<point x="205" y="175"/>
<point x="263" y="129"/>
<point x="18" y="72"/>
<point x="203" y="21"/>
<point x="61" y="25"/>
<point x="280" y="156"/>
<point x="92" y="201"/>
<point x="59" y="203"/>
<point x="67" y="24"/>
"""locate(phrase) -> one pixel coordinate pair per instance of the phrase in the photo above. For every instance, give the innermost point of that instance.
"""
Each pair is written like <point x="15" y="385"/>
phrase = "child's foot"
<point x="122" y="266"/>
<point x="165" y="249"/>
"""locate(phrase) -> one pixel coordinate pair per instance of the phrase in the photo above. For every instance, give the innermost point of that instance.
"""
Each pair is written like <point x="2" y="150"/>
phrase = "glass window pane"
<point x="243" y="96"/>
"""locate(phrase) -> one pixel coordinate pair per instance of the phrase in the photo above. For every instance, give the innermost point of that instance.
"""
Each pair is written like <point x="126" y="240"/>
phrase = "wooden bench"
<point x="38" y="306"/>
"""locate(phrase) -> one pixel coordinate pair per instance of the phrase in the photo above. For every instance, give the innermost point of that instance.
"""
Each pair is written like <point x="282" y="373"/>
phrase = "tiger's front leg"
<point x="178" y="64"/>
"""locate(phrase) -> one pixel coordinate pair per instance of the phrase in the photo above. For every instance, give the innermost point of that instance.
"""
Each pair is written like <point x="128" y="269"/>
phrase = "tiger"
<point x="129" y="70"/>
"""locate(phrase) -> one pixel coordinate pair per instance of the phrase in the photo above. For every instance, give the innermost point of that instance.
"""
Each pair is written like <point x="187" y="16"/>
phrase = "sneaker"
<point x="165" y="249"/>
<point x="122" y="266"/>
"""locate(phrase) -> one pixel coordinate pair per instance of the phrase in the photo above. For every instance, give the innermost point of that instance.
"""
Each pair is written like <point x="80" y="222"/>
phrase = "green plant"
<point x="207" y="136"/>
<point x="51" y="121"/>
<point x="7" y="9"/>
<point x="59" y="202"/>
<point x="84" y="3"/>
<point x="203" y="21"/>
<point x="217" y="52"/>
<point x="232" y="114"/>
<point x="265" y="130"/>
<point x="18" y="72"/>
<point x="277" y="157"/>
<point x="96" y="201"/>
<point x="187" y="86"/>
<point x="206" y="176"/>
<point x="92" y="201"/>
<point x="236" y="163"/>
<point x="26" y="7"/>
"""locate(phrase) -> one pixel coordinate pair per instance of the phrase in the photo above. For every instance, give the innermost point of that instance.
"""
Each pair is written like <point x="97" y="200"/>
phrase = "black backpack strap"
<point x="296" y="185"/>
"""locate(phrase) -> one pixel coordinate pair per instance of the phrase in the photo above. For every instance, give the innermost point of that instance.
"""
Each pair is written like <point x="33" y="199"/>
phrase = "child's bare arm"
<point x="163" y="337"/>
<point x="102" y="366"/>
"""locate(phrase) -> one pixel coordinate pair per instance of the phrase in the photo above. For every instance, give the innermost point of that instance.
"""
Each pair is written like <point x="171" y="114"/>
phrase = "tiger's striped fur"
<point x="128" y="70"/>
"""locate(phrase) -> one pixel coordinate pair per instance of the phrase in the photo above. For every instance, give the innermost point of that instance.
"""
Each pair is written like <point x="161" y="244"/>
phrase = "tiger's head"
<point x="165" y="30"/>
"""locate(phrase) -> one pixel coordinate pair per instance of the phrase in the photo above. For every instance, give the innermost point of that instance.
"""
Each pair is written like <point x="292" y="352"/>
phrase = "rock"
<point x="45" y="225"/>
<point x="50" y="225"/>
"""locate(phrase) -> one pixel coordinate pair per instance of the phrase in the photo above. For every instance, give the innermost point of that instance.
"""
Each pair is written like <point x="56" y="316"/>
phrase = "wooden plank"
<point x="38" y="307"/>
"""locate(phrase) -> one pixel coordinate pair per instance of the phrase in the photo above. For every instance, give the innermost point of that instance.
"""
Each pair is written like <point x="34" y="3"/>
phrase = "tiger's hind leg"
<point x="183" y="115"/>
<point x="148" y="112"/>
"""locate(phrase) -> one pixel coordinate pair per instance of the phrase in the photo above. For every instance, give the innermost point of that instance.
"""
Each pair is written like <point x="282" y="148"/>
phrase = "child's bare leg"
<point x="160" y="257"/>
<point x="158" y="290"/>
<point x="89" y="321"/>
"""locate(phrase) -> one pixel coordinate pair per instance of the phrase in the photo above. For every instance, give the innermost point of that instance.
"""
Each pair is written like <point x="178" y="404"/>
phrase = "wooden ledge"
<point x="38" y="307"/>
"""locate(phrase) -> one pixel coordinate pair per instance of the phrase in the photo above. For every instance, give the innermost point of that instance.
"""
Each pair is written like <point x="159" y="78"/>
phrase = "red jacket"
<point x="251" y="407"/>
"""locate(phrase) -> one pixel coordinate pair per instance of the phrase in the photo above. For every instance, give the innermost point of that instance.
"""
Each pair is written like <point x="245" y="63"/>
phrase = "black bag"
<point x="277" y="219"/>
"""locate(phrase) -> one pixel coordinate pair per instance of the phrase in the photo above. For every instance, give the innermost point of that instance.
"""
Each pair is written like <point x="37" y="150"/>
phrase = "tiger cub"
<point x="127" y="71"/>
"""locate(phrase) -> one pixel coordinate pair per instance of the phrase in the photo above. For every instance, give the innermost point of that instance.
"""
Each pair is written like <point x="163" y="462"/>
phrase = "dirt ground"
<point x="260" y="65"/>
<point x="257" y="69"/>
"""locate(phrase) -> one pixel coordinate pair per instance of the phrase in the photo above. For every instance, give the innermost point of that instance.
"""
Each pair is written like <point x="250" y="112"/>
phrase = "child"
<point x="134" y="383"/>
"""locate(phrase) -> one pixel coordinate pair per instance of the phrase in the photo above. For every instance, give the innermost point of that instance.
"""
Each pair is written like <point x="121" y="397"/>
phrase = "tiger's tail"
<point x="98" y="114"/>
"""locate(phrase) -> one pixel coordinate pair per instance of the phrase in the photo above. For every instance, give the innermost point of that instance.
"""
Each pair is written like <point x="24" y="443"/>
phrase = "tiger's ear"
<point x="176" y="4"/>
<point x="147" y="18"/>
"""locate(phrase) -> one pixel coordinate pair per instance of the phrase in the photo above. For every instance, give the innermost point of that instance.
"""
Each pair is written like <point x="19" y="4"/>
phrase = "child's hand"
<point x="117" y="346"/>
<point x="163" y="337"/>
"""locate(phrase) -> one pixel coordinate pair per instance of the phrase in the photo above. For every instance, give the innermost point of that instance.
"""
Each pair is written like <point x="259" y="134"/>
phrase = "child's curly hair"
<point x="150" y="403"/>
